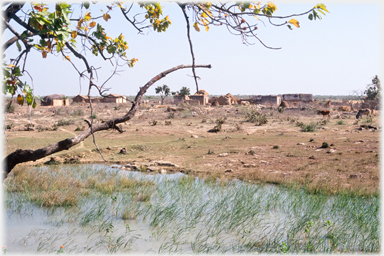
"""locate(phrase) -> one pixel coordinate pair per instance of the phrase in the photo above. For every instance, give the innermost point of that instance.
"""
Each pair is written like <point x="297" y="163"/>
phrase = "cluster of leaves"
<point x="184" y="91"/>
<point x="234" y="16"/>
<point x="12" y="83"/>
<point x="55" y="25"/>
<point x="153" y="13"/>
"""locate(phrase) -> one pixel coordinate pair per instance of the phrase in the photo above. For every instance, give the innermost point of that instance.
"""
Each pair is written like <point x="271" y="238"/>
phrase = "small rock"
<point x="194" y="136"/>
<point x="300" y="143"/>
<point x="166" y="163"/>
<point x="109" y="148"/>
<point x="162" y="171"/>
<point x="264" y="162"/>
<point x="123" y="151"/>
<point x="229" y="170"/>
<point x="355" y="176"/>
<point x="223" y="154"/>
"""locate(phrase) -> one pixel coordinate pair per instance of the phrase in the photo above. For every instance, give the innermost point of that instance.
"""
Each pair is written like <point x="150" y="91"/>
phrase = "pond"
<point x="99" y="209"/>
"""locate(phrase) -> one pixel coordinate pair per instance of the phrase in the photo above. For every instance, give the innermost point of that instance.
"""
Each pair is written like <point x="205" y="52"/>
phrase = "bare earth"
<point x="160" y="141"/>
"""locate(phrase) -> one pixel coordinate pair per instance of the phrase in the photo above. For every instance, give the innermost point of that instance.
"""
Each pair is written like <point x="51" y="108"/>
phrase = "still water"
<point x="190" y="215"/>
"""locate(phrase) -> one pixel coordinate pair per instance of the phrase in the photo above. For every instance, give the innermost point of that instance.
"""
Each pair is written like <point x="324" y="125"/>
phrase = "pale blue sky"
<point x="335" y="56"/>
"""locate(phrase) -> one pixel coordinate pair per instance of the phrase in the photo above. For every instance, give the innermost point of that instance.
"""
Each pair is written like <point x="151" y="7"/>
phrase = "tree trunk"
<point x="21" y="155"/>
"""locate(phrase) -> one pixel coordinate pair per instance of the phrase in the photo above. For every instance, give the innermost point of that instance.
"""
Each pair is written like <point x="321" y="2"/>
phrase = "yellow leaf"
<point x="106" y="16"/>
<point x="73" y="34"/>
<point x="68" y="57"/>
<point x="271" y="6"/>
<point x="206" y="28"/>
<point x="11" y="66"/>
<point x="196" y="26"/>
<point x="92" y="24"/>
<point x="294" y="22"/>
<point x="87" y="16"/>
<point x="44" y="54"/>
<point x="79" y="23"/>
<point x="20" y="99"/>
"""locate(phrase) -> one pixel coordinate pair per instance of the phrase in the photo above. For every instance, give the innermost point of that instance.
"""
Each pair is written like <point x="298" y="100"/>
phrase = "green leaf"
<point x="86" y="5"/>
<point x="18" y="45"/>
<point x="310" y="16"/>
<point x="42" y="42"/>
<point x="289" y="26"/>
<point x="27" y="88"/>
<point x="16" y="71"/>
<point x="29" y="99"/>
<point x="34" y="104"/>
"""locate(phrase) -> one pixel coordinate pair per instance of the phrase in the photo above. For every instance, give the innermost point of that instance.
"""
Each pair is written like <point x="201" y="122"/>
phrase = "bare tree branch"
<point x="182" y="6"/>
<point x="21" y="156"/>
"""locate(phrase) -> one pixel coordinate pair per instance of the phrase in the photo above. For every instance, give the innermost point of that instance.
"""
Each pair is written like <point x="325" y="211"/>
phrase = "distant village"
<point x="199" y="98"/>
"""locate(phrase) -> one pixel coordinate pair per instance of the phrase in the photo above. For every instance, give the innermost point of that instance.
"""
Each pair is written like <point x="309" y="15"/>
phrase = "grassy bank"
<point x="99" y="209"/>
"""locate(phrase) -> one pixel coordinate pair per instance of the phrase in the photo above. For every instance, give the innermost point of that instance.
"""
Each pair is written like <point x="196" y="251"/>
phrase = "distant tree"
<point x="373" y="90"/>
<point x="164" y="92"/>
<point x="184" y="91"/>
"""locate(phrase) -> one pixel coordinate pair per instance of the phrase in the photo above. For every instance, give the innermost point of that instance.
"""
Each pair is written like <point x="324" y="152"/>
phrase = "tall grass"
<point x="117" y="212"/>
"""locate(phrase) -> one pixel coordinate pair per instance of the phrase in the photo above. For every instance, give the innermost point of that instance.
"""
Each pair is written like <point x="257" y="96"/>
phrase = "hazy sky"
<point x="335" y="56"/>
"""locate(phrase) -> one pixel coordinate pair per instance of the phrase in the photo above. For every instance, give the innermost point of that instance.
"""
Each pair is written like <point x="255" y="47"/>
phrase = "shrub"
<point x="280" y="110"/>
<point x="171" y="115"/>
<point x="368" y="120"/>
<point x="256" y="118"/>
<point x="153" y="122"/>
<point x="168" y="122"/>
<point x="324" y="145"/>
<point x="276" y="147"/>
<point x="341" y="122"/>
<point x="63" y="122"/>
<point x="93" y="116"/>
<point x="219" y="122"/>
<point x="78" y="112"/>
<point x="309" y="127"/>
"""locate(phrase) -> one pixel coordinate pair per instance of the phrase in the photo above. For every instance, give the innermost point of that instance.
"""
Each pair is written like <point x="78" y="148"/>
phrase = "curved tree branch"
<point x="21" y="156"/>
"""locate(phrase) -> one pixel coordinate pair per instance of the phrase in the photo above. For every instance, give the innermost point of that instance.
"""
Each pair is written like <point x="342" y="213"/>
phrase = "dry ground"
<point x="277" y="152"/>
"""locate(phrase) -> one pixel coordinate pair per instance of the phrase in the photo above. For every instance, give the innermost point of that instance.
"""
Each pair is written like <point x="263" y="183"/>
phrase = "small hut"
<point x="180" y="98"/>
<point x="202" y="96"/>
<point x="81" y="99"/>
<point x="114" y="98"/>
<point x="55" y="100"/>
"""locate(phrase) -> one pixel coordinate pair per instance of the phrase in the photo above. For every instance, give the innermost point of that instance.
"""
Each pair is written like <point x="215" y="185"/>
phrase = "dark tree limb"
<point x="182" y="6"/>
<point x="22" y="156"/>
